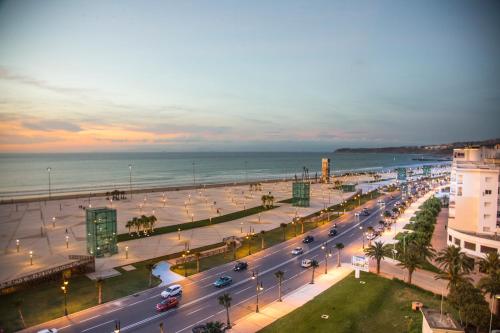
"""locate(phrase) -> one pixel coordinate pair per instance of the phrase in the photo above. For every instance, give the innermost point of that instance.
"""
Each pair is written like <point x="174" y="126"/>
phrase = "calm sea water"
<point x="26" y="174"/>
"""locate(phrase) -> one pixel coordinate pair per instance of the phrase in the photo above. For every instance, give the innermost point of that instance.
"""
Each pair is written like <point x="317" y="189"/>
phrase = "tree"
<point x="264" y="199"/>
<point x="339" y="247"/>
<point x="378" y="251"/>
<point x="279" y="275"/>
<point x="262" y="232"/>
<point x="410" y="260"/>
<point x="197" y="256"/>
<point x="491" y="263"/>
<point x="18" y="304"/>
<point x="152" y="222"/>
<point x="283" y="228"/>
<point x="150" y="267"/>
<point x="99" y="282"/>
<point x="314" y="265"/>
<point x="271" y="200"/>
<point x="455" y="265"/>
<point x="470" y="303"/>
<point x="213" y="327"/>
<point x="225" y="301"/>
<point x="129" y="226"/>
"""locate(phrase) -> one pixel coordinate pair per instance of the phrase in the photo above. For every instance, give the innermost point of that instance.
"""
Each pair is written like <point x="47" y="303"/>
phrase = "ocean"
<point x="26" y="175"/>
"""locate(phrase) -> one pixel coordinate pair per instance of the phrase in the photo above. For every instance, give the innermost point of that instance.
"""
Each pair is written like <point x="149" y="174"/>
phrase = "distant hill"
<point x="442" y="149"/>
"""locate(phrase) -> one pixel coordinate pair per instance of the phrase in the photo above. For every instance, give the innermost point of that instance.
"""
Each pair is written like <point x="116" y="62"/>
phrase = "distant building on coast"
<point x="325" y="170"/>
<point x="474" y="213"/>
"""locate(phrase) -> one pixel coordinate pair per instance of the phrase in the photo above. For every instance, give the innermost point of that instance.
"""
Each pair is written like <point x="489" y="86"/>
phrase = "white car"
<point x="297" y="250"/>
<point x="356" y="214"/>
<point x="173" y="290"/>
<point x="306" y="263"/>
<point x="381" y="202"/>
<point x="48" y="330"/>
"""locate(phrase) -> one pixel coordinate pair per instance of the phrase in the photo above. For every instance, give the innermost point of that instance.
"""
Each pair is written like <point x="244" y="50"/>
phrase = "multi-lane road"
<point x="199" y="303"/>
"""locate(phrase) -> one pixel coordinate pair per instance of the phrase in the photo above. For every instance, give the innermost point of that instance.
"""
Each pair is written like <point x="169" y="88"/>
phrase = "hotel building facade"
<point x="474" y="210"/>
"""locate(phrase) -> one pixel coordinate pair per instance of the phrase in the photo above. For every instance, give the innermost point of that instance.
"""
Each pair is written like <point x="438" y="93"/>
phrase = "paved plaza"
<point x="53" y="230"/>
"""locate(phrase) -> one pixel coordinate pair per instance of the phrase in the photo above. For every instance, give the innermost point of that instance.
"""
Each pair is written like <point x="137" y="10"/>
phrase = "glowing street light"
<point x="17" y="245"/>
<point x="48" y="170"/>
<point x="64" y="288"/>
<point x="179" y="233"/>
<point x="126" y="252"/>
<point x="31" y="258"/>
<point x="53" y="222"/>
<point x="67" y="241"/>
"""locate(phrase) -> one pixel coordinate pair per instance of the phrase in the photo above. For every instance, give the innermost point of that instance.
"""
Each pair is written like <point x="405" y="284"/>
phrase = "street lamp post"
<point x="31" y="258"/>
<point x="179" y="233"/>
<point x="491" y="309"/>
<point x="67" y="241"/>
<point x="48" y="170"/>
<point x="328" y="253"/>
<point x="130" y="179"/>
<point x="258" y="288"/>
<point x="362" y="236"/>
<point x="17" y="245"/>
<point x="126" y="252"/>
<point x="117" y="326"/>
<point x="185" y="266"/>
<point x="65" y="291"/>
<point x="248" y="240"/>
<point x="53" y="221"/>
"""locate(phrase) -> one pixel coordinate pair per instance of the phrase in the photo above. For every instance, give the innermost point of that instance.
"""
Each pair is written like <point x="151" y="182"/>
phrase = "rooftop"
<point x="437" y="320"/>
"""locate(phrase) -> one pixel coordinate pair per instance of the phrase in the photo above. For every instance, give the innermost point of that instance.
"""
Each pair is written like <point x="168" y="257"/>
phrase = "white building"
<point x="474" y="214"/>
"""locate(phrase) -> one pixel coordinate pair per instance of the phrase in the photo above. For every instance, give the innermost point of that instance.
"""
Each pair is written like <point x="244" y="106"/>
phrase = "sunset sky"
<point x="246" y="75"/>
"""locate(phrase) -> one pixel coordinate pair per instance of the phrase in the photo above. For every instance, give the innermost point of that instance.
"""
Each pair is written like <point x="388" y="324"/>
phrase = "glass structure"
<point x="348" y="188"/>
<point x="401" y="173"/>
<point x="427" y="170"/>
<point x="101" y="231"/>
<point x="301" y="194"/>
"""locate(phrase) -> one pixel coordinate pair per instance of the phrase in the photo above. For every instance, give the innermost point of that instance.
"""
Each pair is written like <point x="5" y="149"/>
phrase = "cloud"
<point x="5" y="74"/>
<point x="51" y="125"/>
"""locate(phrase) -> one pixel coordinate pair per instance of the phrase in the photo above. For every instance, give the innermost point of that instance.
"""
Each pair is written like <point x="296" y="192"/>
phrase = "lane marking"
<point x="90" y="318"/>
<point x="91" y="328"/>
<point x="190" y="313"/>
<point x="236" y="293"/>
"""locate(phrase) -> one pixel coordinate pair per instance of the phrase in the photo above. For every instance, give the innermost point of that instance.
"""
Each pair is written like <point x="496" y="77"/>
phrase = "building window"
<point x="460" y="179"/>
<point x="459" y="191"/>
<point x="450" y="238"/>
<point x="470" y="246"/>
<point x="486" y="229"/>
<point x="487" y="192"/>
<point x="487" y="204"/>
<point x="486" y="216"/>
<point x="457" y="242"/>
<point x="459" y="155"/>
<point x="487" y="249"/>
<point x="487" y="179"/>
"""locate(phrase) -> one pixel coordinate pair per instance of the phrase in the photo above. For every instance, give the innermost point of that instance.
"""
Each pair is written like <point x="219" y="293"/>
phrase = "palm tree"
<point x="150" y="267"/>
<point x="136" y="224"/>
<point x="18" y="304"/>
<point x="213" y="327"/>
<point x="99" y="282"/>
<point x="129" y="226"/>
<point x="225" y="301"/>
<point x="197" y="256"/>
<point x="152" y="222"/>
<point x="410" y="260"/>
<point x="279" y="275"/>
<point x="378" y="252"/>
<point x="491" y="263"/>
<point x="271" y="200"/>
<point x="264" y="199"/>
<point x="262" y="232"/>
<point x="314" y="265"/>
<point x="339" y="247"/>
<point x="455" y="265"/>
<point x="283" y="228"/>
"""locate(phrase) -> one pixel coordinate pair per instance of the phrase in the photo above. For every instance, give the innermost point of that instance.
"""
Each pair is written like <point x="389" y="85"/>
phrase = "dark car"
<point x="365" y="213"/>
<point x="308" y="239"/>
<point x="333" y="232"/>
<point x="240" y="266"/>
<point x="201" y="328"/>
<point x="166" y="304"/>
<point x="223" y="281"/>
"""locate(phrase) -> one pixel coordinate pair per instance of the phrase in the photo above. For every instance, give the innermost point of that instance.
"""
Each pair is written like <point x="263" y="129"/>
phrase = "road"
<point x="199" y="303"/>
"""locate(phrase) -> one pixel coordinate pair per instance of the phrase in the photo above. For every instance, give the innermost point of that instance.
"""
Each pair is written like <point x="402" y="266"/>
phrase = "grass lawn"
<point x="379" y="305"/>
<point x="196" y="224"/>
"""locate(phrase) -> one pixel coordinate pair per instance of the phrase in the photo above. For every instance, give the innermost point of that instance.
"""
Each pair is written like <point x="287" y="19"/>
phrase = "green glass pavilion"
<point x="301" y="194"/>
<point x="101" y="231"/>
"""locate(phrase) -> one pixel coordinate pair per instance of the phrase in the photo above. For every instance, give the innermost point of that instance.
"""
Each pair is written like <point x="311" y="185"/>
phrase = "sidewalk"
<point x="270" y="313"/>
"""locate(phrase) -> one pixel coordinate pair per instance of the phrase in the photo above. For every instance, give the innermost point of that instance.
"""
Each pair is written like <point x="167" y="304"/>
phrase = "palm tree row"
<point x="144" y="224"/>
<point x="267" y="200"/>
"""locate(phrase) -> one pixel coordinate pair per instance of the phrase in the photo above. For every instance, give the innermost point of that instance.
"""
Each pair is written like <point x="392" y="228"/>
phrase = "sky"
<point x="246" y="75"/>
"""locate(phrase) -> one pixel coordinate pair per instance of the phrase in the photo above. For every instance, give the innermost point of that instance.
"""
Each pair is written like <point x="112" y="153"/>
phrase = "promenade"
<point x="44" y="227"/>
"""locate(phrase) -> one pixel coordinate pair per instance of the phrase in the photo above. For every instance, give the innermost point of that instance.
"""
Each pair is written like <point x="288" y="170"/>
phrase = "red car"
<point x="166" y="304"/>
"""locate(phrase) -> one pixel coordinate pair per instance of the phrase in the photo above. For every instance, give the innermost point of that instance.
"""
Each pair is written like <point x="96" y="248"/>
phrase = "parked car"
<point x="365" y="212"/>
<point x="240" y="266"/>
<point x="166" y="304"/>
<point x="202" y="328"/>
<point x="49" y="330"/>
<point x="306" y="263"/>
<point x="173" y="290"/>
<point x="308" y="239"/>
<point x="381" y="202"/>
<point x="356" y="214"/>
<point x="332" y="232"/>
<point x="297" y="250"/>
<point x="224" y="280"/>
